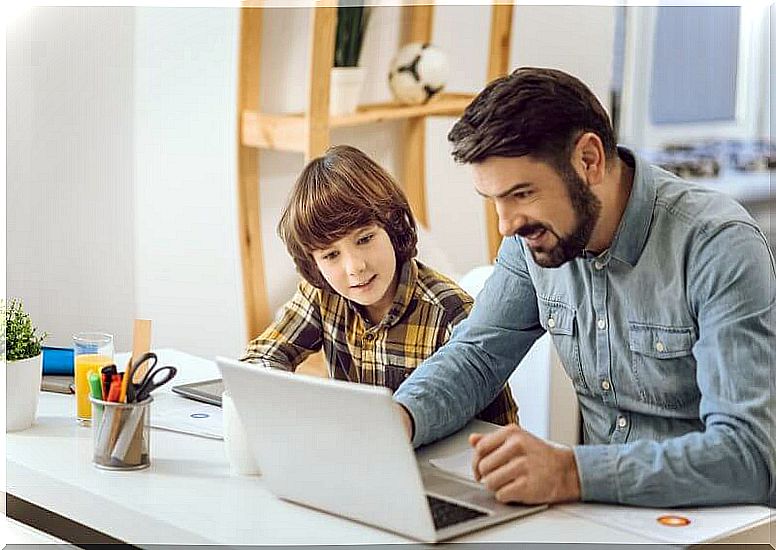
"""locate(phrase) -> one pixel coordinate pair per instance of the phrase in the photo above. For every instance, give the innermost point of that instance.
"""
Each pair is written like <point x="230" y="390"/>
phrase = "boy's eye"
<point x="330" y="255"/>
<point x="366" y="238"/>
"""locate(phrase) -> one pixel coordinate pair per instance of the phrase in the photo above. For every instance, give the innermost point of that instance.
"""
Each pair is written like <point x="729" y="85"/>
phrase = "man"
<point x="659" y="296"/>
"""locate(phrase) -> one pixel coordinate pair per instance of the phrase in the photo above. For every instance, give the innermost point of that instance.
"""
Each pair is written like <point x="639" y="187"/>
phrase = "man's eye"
<point x="366" y="238"/>
<point x="522" y="194"/>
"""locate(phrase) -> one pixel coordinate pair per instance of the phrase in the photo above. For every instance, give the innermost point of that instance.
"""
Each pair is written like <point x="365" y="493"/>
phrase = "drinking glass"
<point x="92" y="351"/>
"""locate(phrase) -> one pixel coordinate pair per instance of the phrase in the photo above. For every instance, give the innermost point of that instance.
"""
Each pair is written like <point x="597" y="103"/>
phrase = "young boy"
<point x="375" y="310"/>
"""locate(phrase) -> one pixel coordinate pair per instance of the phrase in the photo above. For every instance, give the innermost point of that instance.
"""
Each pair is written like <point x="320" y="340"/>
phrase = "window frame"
<point x="752" y="86"/>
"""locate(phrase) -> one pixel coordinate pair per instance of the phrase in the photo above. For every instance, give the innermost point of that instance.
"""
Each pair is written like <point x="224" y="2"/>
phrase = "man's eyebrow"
<point x="515" y="187"/>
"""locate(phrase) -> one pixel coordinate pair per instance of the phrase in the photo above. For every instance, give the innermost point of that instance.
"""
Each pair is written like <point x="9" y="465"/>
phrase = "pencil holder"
<point x="121" y="434"/>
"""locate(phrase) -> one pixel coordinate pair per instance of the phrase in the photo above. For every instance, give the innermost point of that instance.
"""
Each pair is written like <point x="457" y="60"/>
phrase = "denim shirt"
<point x="668" y="337"/>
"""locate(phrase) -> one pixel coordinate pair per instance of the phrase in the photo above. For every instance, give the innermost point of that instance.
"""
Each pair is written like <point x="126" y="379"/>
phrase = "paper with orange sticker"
<point x="679" y="525"/>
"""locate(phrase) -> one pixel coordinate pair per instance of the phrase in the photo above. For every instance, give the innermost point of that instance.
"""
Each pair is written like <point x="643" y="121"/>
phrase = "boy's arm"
<point x="293" y="336"/>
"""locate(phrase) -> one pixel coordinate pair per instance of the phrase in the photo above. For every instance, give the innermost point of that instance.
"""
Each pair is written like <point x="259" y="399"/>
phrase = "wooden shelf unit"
<point x="285" y="132"/>
<point x="309" y="132"/>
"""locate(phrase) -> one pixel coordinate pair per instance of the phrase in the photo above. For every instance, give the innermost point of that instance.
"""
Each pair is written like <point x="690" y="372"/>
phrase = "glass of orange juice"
<point x="92" y="351"/>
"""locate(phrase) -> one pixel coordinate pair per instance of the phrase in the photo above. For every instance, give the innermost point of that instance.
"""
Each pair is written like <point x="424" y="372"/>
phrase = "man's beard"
<point x="587" y="208"/>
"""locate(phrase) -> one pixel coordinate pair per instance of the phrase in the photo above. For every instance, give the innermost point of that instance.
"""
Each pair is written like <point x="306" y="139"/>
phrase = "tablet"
<point x="207" y="391"/>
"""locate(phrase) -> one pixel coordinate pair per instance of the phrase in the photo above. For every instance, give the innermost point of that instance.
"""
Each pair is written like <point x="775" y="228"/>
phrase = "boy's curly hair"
<point x="337" y="193"/>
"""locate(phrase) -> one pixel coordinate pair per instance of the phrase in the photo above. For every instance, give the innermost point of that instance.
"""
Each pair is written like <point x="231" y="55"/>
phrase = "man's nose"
<point x="509" y="220"/>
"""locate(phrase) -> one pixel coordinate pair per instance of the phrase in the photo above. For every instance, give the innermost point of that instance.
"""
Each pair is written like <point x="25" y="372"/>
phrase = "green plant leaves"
<point x="352" y="21"/>
<point x="19" y="339"/>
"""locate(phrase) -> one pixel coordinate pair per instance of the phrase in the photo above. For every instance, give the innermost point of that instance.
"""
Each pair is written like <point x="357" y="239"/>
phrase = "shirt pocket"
<point x="662" y="364"/>
<point x="560" y="320"/>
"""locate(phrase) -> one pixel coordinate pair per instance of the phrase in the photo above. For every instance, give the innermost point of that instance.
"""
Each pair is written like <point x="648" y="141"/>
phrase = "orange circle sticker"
<point x="673" y="521"/>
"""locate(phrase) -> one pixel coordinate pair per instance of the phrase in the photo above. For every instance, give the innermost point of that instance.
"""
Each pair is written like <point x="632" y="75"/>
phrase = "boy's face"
<point x="362" y="267"/>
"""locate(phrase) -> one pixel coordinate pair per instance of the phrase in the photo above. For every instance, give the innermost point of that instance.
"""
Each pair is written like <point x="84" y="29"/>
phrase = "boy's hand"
<point x="519" y="467"/>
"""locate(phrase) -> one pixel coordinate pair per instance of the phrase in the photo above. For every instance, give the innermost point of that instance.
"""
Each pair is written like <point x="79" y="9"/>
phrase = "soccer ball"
<point x="418" y="73"/>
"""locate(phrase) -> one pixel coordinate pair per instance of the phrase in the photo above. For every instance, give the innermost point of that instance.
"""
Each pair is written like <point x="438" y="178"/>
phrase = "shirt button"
<point x="660" y="347"/>
<point x="622" y="422"/>
<point x="606" y="385"/>
<point x="368" y="337"/>
<point x="602" y="324"/>
<point x="599" y="266"/>
<point x="551" y="322"/>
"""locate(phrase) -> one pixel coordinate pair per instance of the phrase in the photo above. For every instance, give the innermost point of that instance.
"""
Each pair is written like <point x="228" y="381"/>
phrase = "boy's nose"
<point x="355" y="265"/>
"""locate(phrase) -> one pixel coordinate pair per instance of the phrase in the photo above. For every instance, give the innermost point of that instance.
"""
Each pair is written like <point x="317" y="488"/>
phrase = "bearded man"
<point x="659" y="296"/>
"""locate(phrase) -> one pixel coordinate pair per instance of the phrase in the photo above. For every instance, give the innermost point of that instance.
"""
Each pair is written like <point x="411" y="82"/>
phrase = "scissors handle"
<point x="134" y="365"/>
<point x="137" y="363"/>
<point x="152" y="380"/>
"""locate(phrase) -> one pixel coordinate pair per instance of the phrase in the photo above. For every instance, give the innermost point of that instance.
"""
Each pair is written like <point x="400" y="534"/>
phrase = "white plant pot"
<point x="345" y="90"/>
<point x="22" y="379"/>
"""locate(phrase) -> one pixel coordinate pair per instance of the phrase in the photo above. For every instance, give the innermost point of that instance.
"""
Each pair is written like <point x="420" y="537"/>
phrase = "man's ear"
<point x="589" y="158"/>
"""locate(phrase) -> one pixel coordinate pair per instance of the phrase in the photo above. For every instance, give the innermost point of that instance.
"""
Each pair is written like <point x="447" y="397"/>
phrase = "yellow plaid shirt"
<point x="425" y="309"/>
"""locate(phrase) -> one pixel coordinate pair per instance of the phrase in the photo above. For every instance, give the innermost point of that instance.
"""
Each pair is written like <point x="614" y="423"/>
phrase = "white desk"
<point x="188" y="496"/>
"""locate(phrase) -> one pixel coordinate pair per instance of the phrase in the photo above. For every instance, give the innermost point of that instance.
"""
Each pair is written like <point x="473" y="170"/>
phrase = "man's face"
<point x="554" y="213"/>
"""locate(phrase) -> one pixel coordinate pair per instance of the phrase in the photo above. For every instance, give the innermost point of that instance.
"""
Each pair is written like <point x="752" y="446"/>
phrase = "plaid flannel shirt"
<point x="425" y="309"/>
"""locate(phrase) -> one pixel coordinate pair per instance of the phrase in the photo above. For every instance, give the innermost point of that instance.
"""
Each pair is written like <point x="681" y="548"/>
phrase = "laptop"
<point x="341" y="447"/>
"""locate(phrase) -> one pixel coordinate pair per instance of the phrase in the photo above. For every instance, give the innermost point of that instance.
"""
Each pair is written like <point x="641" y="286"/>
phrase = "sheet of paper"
<point x="459" y="464"/>
<point x="178" y="414"/>
<point x="679" y="525"/>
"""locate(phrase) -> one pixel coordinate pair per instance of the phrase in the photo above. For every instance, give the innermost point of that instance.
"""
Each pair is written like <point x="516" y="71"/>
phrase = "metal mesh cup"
<point x="121" y="433"/>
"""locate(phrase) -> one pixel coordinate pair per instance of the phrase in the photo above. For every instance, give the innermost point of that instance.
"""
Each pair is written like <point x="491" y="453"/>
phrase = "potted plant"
<point x="347" y="77"/>
<point x="24" y="366"/>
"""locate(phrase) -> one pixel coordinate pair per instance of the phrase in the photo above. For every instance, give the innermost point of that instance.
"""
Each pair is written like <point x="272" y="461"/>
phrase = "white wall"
<point x="165" y="166"/>
<point x="187" y="268"/>
<point x="70" y="151"/>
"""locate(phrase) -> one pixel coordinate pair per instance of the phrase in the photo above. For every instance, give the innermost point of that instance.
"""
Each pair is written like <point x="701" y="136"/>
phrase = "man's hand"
<point x="406" y="419"/>
<point x="520" y="467"/>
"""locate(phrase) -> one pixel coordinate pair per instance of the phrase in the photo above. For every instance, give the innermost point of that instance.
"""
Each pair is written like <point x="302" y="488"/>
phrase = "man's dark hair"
<point x="533" y="111"/>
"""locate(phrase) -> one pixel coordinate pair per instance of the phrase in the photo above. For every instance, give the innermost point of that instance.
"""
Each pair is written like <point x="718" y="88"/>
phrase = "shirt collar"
<point x="405" y="290"/>
<point x="631" y="235"/>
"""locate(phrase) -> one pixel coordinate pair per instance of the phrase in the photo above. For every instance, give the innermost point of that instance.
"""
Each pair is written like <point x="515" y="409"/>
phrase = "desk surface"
<point x="188" y="495"/>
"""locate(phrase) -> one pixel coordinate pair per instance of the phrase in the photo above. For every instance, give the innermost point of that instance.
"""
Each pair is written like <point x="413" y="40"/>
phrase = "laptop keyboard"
<point x="446" y="513"/>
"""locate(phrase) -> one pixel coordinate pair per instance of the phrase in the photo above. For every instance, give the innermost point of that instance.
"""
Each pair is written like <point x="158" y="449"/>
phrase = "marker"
<point x="115" y="388"/>
<point x="95" y="386"/>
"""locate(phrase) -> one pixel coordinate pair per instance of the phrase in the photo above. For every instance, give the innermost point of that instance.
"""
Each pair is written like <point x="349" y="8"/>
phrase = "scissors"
<point x="152" y="379"/>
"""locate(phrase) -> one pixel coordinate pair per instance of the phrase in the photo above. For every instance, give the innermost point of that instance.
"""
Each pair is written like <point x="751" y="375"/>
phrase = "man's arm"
<point x="463" y="376"/>
<point x="732" y="289"/>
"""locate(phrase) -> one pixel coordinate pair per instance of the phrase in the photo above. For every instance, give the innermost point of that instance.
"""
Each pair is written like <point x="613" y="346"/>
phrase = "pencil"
<point x="125" y="382"/>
